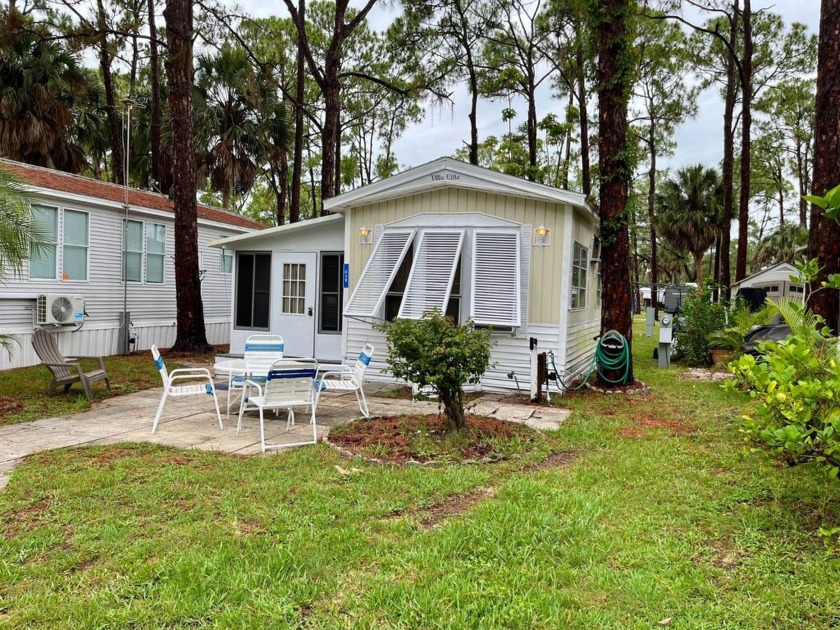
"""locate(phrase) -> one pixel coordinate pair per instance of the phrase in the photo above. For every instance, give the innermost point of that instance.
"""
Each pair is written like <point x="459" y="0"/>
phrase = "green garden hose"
<point x="612" y="353"/>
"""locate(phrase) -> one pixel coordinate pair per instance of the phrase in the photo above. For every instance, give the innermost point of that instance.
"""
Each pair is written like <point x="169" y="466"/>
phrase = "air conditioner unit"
<point x="60" y="309"/>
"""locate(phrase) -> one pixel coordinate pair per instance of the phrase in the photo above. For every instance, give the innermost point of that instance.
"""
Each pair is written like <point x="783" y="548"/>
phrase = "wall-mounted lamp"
<point x="542" y="236"/>
<point x="365" y="235"/>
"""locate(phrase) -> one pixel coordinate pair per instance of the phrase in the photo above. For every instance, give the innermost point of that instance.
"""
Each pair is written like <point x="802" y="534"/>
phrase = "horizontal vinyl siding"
<point x="508" y="353"/>
<point x="580" y="345"/>
<point x="152" y="306"/>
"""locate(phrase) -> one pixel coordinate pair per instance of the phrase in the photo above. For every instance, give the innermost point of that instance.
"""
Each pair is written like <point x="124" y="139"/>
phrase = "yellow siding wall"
<point x="582" y="232"/>
<point x="544" y="299"/>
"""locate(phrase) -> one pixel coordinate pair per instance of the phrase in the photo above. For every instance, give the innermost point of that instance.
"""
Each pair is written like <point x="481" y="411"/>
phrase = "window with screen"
<point x="43" y="258"/>
<point x="63" y="243"/>
<point x="332" y="294"/>
<point x="253" y="290"/>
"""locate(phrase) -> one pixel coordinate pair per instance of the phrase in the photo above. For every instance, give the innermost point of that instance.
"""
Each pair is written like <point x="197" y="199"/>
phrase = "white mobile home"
<point x="90" y="231"/>
<point x="520" y="257"/>
<point x="775" y="280"/>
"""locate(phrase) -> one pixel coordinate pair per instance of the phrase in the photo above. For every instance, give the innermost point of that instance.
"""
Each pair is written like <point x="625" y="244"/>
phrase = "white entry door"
<point x="296" y="307"/>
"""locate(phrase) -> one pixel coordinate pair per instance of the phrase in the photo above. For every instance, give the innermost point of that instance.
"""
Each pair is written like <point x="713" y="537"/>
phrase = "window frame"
<point x="582" y="266"/>
<point x="144" y="252"/>
<point x="339" y="256"/>
<point x="59" y="244"/>
<point x="239" y="268"/>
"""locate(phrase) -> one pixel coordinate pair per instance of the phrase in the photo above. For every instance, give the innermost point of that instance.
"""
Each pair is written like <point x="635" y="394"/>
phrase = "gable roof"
<point x="782" y="267"/>
<point x="49" y="179"/>
<point x="449" y="172"/>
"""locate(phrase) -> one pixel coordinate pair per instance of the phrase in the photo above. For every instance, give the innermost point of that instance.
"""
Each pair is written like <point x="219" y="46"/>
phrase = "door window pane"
<point x="294" y="288"/>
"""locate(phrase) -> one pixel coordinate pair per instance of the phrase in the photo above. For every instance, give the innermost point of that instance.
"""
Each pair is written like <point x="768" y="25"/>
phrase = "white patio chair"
<point x="190" y="389"/>
<point x="289" y="383"/>
<point x="348" y="379"/>
<point x="261" y="351"/>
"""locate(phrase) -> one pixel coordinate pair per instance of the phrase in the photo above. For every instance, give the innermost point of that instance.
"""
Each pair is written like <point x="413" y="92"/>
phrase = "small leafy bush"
<point x="702" y="318"/>
<point x="435" y="351"/>
<point x="742" y="320"/>
<point x="797" y="382"/>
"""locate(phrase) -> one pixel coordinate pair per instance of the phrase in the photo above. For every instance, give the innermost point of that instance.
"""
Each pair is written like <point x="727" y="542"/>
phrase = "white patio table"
<point x="231" y="367"/>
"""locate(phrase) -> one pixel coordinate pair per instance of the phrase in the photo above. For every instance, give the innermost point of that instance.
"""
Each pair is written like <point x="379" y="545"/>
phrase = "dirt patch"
<point x="426" y="438"/>
<point x="644" y="421"/>
<point x="9" y="405"/>
<point x="555" y="460"/>
<point x="26" y="519"/>
<point x="181" y="461"/>
<point x="455" y="505"/>
<point x="451" y="506"/>
<point x="705" y="374"/>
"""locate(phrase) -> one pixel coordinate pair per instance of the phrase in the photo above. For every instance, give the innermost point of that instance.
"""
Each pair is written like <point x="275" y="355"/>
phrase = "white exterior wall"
<point x="152" y="306"/>
<point x="326" y="238"/>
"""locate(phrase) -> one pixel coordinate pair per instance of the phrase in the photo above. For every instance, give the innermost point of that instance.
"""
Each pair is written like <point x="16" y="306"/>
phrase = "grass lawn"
<point x="28" y="386"/>
<point x="651" y="512"/>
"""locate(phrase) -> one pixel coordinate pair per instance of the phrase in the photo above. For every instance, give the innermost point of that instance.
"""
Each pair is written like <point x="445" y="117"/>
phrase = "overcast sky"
<point x="445" y="128"/>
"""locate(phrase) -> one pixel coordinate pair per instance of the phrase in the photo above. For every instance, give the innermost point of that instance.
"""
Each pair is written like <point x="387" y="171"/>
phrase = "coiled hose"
<point x="612" y="354"/>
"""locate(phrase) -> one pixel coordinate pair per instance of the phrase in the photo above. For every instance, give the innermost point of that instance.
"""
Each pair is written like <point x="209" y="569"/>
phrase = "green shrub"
<point x="798" y="384"/>
<point x="702" y="318"/>
<point x="741" y="321"/>
<point x="435" y="351"/>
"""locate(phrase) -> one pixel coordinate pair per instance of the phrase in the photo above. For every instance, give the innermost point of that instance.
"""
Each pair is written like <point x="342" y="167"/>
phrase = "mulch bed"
<point x="9" y="405"/>
<point x="399" y="439"/>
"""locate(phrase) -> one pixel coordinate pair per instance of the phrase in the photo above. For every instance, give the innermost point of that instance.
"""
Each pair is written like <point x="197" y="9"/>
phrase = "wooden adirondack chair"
<point x="66" y="370"/>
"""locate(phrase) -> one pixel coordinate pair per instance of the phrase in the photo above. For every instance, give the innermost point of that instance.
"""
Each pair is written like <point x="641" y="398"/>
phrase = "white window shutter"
<point x="496" y="279"/>
<point x="524" y="272"/>
<point x="432" y="274"/>
<point x="388" y="254"/>
<point x="377" y="232"/>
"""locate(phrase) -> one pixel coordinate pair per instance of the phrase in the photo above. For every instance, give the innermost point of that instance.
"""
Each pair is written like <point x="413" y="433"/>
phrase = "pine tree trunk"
<point x="117" y="162"/>
<point x="654" y="263"/>
<point x="586" y="179"/>
<point x="154" y="79"/>
<point x="473" y="114"/>
<point x="824" y="237"/>
<point x="746" y="144"/>
<point x="300" y="94"/>
<point x="191" y="334"/>
<point x="532" y="127"/>
<point x="614" y="168"/>
<point x="728" y="161"/>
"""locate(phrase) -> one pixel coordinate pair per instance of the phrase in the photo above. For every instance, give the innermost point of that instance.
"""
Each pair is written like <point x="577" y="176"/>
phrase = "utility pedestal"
<point x="650" y="321"/>
<point x="665" y="340"/>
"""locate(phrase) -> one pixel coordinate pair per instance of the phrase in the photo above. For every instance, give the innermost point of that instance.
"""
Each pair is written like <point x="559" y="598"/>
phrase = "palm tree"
<point x="783" y="245"/>
<point x="689" y="212"/>
<point x="229" y="98"/>
<point x="16" y="237"/>
<point x="41" y="84"/>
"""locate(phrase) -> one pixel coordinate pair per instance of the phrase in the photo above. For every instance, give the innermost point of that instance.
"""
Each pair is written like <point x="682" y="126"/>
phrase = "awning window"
<point x="496" y="278"/>
<point x="384" y="262"/>
<point x="432" y="274"/>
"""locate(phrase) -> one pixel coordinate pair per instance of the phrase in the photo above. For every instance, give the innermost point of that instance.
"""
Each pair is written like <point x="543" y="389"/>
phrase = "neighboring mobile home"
<point x="89" y="233"/>
<point x="775" y="280"/>
<point x="519" y="257"/>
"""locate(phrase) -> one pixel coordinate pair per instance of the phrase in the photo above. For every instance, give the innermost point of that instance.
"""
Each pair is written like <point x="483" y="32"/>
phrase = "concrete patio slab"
<point x="192" y="423"/>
